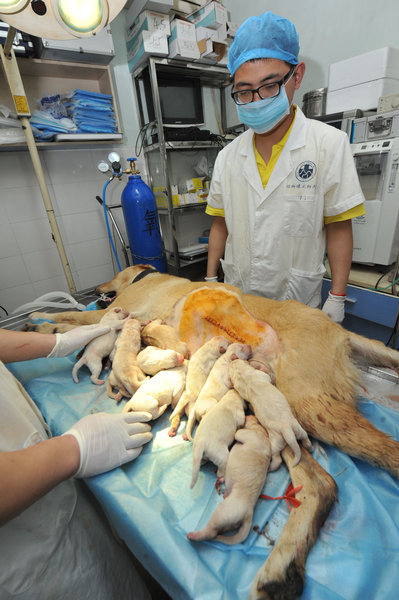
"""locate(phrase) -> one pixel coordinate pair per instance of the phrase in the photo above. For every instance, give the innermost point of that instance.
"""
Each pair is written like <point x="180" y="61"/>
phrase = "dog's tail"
<point x="190" y="424"/>
<point x="110" y="384"/>
<point x="368" y="351"/>
<point x="80" y="363"/>
<point x="242" y="533"/>
<point x="198" y="452"/>
<point x="134" y="380"/>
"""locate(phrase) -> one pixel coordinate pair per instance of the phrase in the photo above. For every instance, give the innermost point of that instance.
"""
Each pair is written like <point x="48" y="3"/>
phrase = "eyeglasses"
<point x="267" y="90"/>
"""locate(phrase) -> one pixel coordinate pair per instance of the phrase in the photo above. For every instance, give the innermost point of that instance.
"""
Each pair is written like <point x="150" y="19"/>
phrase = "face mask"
<point x="263" y="115"/>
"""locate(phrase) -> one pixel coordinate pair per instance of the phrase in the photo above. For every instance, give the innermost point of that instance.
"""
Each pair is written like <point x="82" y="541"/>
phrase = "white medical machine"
<point x="376" y="234"/>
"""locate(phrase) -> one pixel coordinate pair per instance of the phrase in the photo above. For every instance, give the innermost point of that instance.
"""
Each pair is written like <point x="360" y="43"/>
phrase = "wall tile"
<point x="83" y="227"/>
<point x="77" y="197"/>
<point x="8" y="242"/>
<point x="89" y="254"/>
<point x="33" y="235"/>
<point x="13" y="272"/>
<point x="17" y="170"/>
<point x="24" y="203"/>
<point x="67" y="165"/>
<point x="43" y="264"/>
<point x="91" y="278"/>
<point x="13" y="297"/>
<point x="54" y="284"/>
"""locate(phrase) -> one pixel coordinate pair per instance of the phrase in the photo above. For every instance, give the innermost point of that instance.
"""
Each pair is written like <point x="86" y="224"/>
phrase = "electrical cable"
<point x="2" y="308"/>
<point x="107" y="223"/>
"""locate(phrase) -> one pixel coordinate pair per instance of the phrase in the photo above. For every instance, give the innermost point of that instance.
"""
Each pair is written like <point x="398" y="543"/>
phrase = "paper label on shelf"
<point x="21" y="105"/>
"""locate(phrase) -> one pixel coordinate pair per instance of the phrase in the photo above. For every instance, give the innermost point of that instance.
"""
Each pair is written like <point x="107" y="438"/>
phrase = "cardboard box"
<point x="149" y="43"/>
<point x="231" y="29"/>
<point x="182" y="41"/>
<point x="161" y="6"/>
<point x="211" y="52"/>
<point x="182" y="29"/>
<point x="184" y="49"/>
<point x="186" y="6"/>
<point x="211" y="15"/>
<point x="148" y="21"/>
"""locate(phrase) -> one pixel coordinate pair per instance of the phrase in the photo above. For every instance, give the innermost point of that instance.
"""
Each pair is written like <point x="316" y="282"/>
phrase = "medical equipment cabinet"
<point x="171" y="162"/>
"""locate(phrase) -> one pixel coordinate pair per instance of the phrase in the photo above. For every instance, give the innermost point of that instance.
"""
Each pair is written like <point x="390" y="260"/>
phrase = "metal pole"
<point x="15" y="84"/>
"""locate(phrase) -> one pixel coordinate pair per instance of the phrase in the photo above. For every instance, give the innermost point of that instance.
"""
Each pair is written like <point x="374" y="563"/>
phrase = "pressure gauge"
<point x="103" y="166"/>
<point x="114" y="157"/>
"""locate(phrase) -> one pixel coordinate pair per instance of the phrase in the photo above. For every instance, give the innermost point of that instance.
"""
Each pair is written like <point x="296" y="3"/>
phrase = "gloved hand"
<point x="76" y="338"/>
<point x="334" y="306"/>
<point x="107" y="441"/>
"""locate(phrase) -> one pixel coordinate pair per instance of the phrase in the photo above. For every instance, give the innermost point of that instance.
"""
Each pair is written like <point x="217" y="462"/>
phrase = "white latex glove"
<point x="107" y="441"/>
<point x="76" y="338"/>
<point x="334" y="306"/>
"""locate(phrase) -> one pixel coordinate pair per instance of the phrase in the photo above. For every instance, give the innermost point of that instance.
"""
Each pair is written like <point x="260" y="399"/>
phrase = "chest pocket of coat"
<point x="299" y="216"/>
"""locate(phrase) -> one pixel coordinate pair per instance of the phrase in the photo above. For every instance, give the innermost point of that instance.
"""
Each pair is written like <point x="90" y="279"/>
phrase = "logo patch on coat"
<point x="305" y="171"/>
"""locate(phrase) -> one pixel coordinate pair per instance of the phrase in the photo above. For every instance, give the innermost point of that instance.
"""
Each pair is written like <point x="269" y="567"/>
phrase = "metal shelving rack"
<point x="212" y="76"/>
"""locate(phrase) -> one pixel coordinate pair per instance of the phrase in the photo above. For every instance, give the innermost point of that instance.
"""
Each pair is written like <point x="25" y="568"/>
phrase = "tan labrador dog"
<point x="271" y="409"/>
<point x="215" y="434"/>
<point x="316" y="366"/>
<point x="217" y="384"/>
<point x="159" y="392"/>
<point x="151" y="360"/>
<point x="126" y="374"/>
<point x="199" y="368"/>
<point x="161" y="335"/>
<point x="246" y="470"/>
<point x="102" y="346"/>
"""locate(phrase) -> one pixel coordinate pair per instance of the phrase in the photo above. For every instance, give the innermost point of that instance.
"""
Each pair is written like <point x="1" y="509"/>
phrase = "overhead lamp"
<point x="60" y="19"/>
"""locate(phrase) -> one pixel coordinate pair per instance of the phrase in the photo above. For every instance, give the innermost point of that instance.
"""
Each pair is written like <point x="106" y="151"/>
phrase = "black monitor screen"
<point x="181" y="100"/>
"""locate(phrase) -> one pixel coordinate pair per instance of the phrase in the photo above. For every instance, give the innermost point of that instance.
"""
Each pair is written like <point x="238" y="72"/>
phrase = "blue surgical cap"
<point x="266" y="36"/>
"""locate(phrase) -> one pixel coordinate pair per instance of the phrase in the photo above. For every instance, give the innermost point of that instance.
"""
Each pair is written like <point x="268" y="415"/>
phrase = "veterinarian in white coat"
<point x="284" y="187"/>
<point x="53" y="543"/>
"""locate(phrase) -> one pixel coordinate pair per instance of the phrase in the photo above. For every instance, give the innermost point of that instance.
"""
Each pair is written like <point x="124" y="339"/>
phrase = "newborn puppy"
<point x="158" y="392"/>
<point x="199" y="367"/>
<point x="158" y="334"/>
<point x="151" y="360"/>
<point x="216" y="432"/>
<point x="101" y="346"/>
<point x="271" y="409"/>
<point x="217" y="384"/>
<point x="126" y="374"/>
<point x="246" y="471"/>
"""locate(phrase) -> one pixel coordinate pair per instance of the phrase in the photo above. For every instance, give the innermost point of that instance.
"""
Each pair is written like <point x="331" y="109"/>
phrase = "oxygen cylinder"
<point x="142" y="223"/>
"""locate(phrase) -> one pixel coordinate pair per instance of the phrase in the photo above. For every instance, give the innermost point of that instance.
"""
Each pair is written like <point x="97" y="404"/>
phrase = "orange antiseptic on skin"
<point x="208" y="312"/>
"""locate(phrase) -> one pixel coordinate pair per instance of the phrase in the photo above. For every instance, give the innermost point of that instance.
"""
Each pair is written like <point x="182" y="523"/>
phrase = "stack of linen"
<point x="45" y="126"/>
<point x="91" y="112"/>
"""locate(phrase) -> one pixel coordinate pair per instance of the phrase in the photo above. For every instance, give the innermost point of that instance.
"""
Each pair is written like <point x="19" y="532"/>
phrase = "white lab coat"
<point x="276" y="238"/>
<point x="60" y="547"/>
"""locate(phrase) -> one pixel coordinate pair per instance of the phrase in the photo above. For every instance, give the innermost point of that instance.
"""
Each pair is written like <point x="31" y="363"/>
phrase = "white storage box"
<point x="150" y="43"/>
<point x="364" y="95"/>
<point x="185" y="49"/>
<point x="182" y="41"/>
<point x="98" y="49"/>
<point x="182" y="29"/>
<point x="360" y="81"/>
<point x="148" y="21"/>
<point x="211" y="15"/>
<point x="162" y="6"/>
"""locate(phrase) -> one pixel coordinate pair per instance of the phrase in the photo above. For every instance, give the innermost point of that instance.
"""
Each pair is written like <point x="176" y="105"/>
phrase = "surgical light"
<point x="81" y="16"/>
<point x="60" y="19"/>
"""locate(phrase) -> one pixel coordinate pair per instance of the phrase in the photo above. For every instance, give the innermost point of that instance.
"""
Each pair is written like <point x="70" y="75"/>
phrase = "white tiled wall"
<point x="29" y="261"/>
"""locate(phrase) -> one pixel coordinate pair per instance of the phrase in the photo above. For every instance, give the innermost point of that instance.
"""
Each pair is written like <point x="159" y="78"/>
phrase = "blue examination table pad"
<point x="151" y="506"/>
